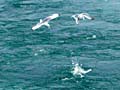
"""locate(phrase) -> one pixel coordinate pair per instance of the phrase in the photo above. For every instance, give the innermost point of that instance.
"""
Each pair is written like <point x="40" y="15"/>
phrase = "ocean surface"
<point x="42" y="59"/>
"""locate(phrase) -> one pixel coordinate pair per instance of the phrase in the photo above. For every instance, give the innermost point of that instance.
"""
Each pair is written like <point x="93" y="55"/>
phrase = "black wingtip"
<point x="92" y="18"/>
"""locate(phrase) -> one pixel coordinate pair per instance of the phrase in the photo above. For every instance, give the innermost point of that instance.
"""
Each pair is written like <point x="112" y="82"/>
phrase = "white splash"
<point x="94" y="36"/>
<point x="64" y="79"/>
<point x="35" y="54"/>
<point x="41" y="50"/>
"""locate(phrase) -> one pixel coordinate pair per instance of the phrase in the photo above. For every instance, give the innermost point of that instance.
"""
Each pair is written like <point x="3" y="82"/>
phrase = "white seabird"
<point x="83" y="16"/>
<point x="45" y="21"/>
<point x="80" y="71"/>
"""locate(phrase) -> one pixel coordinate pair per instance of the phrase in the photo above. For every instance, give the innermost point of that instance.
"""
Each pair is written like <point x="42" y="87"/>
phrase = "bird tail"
<point x="86" y="15"/>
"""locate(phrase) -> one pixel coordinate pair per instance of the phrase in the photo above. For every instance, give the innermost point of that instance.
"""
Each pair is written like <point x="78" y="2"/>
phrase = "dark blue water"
<point x="42" y="59"/>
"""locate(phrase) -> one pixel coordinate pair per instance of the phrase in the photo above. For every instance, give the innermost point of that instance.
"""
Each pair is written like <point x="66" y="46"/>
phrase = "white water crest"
<point x="92" y="37"/>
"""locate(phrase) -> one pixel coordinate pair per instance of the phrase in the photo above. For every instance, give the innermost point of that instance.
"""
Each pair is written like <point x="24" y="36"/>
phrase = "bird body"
<point x="80" y="71"/>
<point x="45" y="21"/>
<point x="83" y="16"/>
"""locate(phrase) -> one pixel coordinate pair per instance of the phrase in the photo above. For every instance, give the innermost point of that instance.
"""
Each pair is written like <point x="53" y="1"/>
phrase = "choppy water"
<point x="42" y="59"/>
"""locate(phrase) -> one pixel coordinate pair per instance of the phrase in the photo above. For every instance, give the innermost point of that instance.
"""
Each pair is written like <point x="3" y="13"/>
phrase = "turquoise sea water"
<point x="42" y="59"/>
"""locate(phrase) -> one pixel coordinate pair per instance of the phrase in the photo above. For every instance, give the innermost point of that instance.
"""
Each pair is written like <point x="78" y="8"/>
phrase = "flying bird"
<point x="83" y="16"/>
<point x="45" y="21"/>
<point x="78" y="70"/>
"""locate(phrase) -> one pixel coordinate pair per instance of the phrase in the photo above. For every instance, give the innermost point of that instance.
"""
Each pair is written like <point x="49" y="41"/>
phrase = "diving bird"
<point x="45" y="21"/>
<point x="79" y="70"/>
<point x="83" y="16"/>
